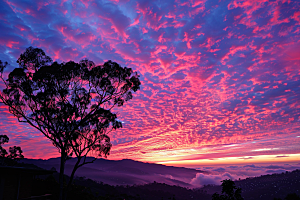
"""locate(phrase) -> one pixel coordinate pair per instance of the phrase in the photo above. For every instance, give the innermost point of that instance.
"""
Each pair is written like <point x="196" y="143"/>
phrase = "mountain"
<point x="123" y="172"/>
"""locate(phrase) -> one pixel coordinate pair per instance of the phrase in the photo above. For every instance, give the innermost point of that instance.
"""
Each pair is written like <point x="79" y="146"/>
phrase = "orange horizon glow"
<point x="261" y="159"/>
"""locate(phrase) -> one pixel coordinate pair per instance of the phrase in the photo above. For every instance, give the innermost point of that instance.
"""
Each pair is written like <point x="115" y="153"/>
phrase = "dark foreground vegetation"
<point x="266" y="187"/>
<point x="285" y="186"/>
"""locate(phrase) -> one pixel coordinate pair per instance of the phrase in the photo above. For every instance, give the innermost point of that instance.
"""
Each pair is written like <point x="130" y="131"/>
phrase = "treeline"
<point x="88" y="189"/>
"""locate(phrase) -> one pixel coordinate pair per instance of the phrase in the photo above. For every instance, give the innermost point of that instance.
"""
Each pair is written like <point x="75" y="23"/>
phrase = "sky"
<point x="220" y="78"/>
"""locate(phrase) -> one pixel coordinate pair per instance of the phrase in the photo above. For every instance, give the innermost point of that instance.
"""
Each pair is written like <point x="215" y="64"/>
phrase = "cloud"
<point x="235" y="172"/>
<point x="203" y="179"/>
<point x="214" y="73"/>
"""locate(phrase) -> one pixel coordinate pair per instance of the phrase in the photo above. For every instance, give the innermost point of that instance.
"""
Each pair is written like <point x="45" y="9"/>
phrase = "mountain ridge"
<point x="123" y="172"/>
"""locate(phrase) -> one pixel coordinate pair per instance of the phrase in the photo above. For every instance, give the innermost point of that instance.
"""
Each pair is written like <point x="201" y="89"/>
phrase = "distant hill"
<point x="124" y="172"/>
<point x="265" y="187"/>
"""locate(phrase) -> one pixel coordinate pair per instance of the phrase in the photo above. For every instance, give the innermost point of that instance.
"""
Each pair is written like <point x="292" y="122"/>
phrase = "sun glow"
<point x="285" y="158"/>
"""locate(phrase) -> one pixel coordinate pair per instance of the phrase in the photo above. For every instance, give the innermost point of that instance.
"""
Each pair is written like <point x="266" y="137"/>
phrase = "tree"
<point x="229" y="191"/>
<point x="292" y="196"/>
<point x="69" y="103"/>
<point x="15" y="152"/>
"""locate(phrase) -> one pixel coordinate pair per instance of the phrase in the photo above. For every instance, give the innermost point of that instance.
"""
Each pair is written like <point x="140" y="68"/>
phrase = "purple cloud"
<point x="218" y="77"/>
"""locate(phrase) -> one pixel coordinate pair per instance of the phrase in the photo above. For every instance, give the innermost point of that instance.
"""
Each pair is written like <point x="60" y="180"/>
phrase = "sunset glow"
<point x="220" y="78"/>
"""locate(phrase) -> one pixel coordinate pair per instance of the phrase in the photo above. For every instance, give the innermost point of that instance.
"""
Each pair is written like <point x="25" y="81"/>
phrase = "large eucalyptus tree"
<point x="69" y="103"/>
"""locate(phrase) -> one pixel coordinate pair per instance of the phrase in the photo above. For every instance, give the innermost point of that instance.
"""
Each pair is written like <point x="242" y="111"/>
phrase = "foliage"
<point x="15" y="152"/>
<point x="70" y="103"/>
<point x="292" y="196"/>
<point x="229" y="191"/>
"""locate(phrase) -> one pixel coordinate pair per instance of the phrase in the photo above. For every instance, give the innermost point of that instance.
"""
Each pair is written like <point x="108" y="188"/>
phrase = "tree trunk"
<point x="72" y="177"/>
<point x="61" y="175"/>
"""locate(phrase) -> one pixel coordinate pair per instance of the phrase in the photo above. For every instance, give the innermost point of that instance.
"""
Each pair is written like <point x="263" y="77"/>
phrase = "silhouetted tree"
<point x="292" y="196"/>
<point x="229" y="191"/>
<point x="15" y="152"/>
<point x="70" y="103"/>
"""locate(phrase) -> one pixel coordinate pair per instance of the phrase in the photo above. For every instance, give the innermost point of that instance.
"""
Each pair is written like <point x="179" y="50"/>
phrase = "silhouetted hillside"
<point x="144" y="192"/>
<point x="91" y="190"/>
<point x="124" y="172"/>
<point x="266" y="187"/>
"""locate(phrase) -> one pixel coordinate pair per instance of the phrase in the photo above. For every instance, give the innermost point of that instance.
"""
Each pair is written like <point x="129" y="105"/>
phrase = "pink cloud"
<point x="212" y="75"/>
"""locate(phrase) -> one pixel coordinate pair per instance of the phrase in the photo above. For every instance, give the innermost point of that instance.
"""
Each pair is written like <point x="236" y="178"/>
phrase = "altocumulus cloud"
<point x="213" y="72"/>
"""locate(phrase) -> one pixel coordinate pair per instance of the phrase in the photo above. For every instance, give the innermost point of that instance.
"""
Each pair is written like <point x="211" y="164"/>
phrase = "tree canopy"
<point x="229" y="191"/>
<point x="15" y="152"/>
